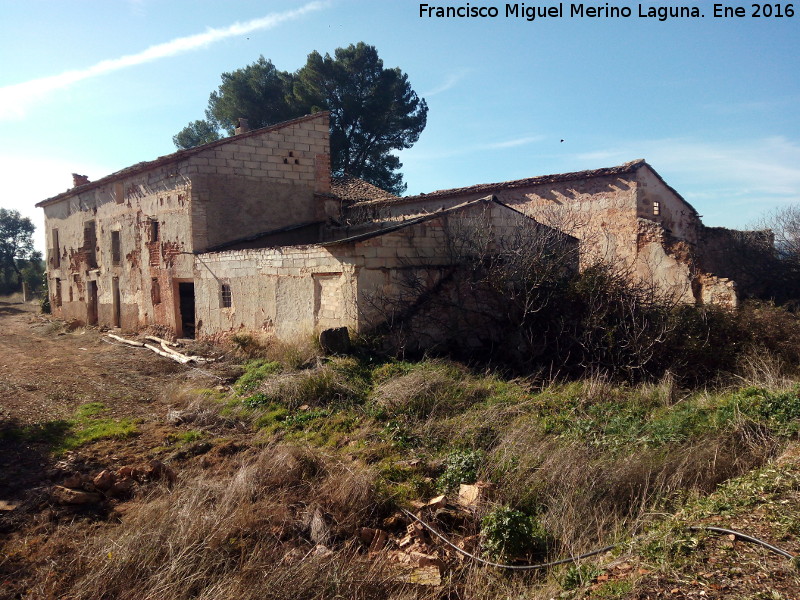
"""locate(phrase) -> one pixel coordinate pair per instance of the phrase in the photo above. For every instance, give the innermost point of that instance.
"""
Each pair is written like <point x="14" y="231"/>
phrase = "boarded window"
<point x="116" y="255"/>
<point x="225" y="297"/>
<point x="155" y="291"/>
<point x="89" y="244"/>
<point x="656" y="207"/>
<point x="55" y="252"/>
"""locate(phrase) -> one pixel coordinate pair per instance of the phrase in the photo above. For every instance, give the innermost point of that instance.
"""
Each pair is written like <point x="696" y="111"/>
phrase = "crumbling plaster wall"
<point x="613" y="217"/>
<point x="678" y="218"/>
<point x="599" y="211"/>
<point x="277" y="291"/>
<point x="127" y="206"/>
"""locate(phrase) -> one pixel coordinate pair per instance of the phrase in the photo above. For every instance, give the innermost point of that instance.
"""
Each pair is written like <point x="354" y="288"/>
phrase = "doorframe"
<point x="176" y="304"/>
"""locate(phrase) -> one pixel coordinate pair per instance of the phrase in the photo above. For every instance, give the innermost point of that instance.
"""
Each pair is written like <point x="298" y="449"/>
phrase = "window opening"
<point x="89" y="243"/>
<point x="656" y="207"/>
<point x="155" y="291"/>
<point x="55" y="253"/>
<point x="154" y="233"/>
<point x="226" y="299"/>
<point x="115" y="248"/>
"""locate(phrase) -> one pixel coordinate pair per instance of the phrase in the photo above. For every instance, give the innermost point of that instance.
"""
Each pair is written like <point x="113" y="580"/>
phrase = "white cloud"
<point x="450" y="82"/>
<point x="15" y="99"/>
<point x="412" y="155"/>
<point x="523" y="141"/>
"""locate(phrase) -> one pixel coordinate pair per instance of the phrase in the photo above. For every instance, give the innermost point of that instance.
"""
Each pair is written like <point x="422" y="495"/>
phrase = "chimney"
<point x="79" y="180"/>
<point x="242" y="126"/>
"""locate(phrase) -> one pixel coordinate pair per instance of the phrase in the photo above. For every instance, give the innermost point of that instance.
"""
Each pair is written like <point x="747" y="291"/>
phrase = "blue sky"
<point x="95" y="86"/>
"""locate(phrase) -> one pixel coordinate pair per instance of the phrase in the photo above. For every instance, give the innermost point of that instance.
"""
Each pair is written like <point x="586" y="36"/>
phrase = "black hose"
<point x="500" y="565"/>
<point x="738" y="534"/>
<point x="746" y="538"/>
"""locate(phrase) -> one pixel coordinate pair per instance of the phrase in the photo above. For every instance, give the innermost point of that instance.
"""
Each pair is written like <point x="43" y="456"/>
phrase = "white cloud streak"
<point x="16" y="99"/>
<point x="450" y="82"/>
<point x="412" y="155"/>
<point x="514" y="143"/>
<point x="748" y="175"/>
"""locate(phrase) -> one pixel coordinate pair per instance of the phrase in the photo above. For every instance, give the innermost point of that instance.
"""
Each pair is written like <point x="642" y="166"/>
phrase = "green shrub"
<point x="508" y="534"/>
<point x="780" y="411"/>
<point x="461" y="466"/>
<point x="577" y="576"/>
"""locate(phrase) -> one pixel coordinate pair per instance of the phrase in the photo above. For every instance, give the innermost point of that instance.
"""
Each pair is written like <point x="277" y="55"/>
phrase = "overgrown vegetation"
<point x="302" y="453"/>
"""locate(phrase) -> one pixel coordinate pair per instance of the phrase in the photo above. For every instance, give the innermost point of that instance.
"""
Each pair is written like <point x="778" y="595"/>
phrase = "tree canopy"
<point x="374" y="110"/>
<point x="16" y="249"/>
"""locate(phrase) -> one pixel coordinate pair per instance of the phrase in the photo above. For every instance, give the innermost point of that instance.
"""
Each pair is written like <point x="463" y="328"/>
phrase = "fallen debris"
<point x="65" y="495"/>
<point x="159" y="340"/>
<point x="470" y="496"/>
<point x="164" y="349"/>
<point x="125" y="341"/>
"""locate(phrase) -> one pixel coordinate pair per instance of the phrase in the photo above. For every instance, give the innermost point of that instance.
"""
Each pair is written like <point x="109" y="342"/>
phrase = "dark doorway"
<point x="186" y="295"/>
<point x="91" y="312"/>
<point x="116" y="302"/>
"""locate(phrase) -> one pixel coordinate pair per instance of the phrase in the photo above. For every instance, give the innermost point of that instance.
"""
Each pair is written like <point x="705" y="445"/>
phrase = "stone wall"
<point x="124" y="209"/>
<point x="286" y="292"/>
<point x="613" y="216"/>
<point x="296" y="291"/>
<point x="160" y="213"/>
<point x="657" y="202"/>
<point x="258" y="182"/>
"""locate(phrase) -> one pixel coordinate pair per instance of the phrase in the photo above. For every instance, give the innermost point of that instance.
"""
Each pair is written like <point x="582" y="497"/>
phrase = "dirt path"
<point x="47" y="371"/>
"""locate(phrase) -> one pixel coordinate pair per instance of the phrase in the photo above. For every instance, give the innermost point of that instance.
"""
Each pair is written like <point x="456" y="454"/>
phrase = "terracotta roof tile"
<point x="353" y="189"/>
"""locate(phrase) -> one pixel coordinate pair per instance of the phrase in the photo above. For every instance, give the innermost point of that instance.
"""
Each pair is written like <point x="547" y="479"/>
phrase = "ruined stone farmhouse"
<point x="252" y="233"/>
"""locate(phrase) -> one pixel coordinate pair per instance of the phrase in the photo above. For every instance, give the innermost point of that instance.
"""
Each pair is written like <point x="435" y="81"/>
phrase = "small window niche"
<point x="116" y="253"/>
<point x="656" y="208"/>
<point x="55" y="252"/>
<point x="225" y="297"/>
<point x="119" y="193"/>
<point x="155" y="291"/>
<point x="57" y="293"/>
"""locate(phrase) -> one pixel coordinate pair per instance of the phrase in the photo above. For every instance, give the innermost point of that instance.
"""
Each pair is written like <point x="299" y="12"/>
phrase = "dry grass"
<point x="586" y="496"/>
<point x="760" y="368"/>
<point x="320" y="386"/>
<point x="292" y="354"/>
<point x="243" y="536"/>
<point x="433" y="390"/>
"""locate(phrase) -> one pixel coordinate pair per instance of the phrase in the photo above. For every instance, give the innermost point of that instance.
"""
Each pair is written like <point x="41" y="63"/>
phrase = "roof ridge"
<point x="514" y="183"/>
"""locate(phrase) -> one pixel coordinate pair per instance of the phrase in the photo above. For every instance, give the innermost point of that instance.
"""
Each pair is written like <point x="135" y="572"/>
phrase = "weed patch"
<point x="67" y="434"/>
